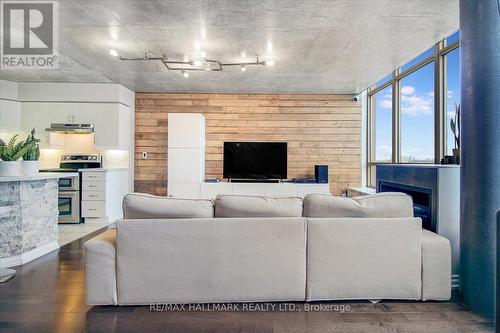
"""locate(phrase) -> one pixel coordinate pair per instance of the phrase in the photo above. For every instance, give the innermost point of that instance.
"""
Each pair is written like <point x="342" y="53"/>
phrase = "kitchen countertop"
<point x="102" y="169"/>
<point x="38" y="176"/>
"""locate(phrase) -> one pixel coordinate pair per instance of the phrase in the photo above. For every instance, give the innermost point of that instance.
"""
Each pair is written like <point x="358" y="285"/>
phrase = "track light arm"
<point x="167" y="63"/>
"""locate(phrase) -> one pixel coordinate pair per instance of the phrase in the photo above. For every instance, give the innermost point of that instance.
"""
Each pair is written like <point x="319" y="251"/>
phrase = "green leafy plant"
<point x="12" y="150"/>
<point x="455" y="126"/>
<point x="33" y="149"/>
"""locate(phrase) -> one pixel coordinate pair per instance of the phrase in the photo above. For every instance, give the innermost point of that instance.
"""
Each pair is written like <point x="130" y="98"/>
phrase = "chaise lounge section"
<point x="263" y="249"/>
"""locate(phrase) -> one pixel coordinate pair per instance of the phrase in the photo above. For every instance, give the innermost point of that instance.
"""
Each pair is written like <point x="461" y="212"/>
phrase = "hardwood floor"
<point x="47" y="295"/>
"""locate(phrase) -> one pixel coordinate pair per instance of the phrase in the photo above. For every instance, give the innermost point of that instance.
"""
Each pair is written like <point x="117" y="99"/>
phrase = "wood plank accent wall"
<point x="319" y="129"/>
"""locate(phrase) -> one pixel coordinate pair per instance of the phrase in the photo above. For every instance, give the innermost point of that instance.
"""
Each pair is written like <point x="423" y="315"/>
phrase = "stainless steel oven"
<point x="69" y="199"/>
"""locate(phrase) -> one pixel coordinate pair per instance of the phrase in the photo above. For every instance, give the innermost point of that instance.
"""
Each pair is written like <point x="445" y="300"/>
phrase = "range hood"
<point x="71" y="128"/>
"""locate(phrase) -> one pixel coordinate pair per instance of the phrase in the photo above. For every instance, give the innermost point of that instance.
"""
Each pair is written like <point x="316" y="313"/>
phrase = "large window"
<point x="418" y="59"/>
<point x="452" y="94"/>
<point x="409" y="111"/>
<point x="383" y="125"/>
<point x="417" y="116"/>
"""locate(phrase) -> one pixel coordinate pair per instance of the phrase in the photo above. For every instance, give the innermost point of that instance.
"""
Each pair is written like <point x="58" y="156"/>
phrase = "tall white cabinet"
<point x="186" y="154"/>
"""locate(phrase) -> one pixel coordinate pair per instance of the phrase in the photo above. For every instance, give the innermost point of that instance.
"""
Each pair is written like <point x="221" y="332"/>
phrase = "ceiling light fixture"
<point x="113" y="52"/>
<point x="269" y="47"/>
<point x="211" y="65"/>
<point x="269" y="62"/>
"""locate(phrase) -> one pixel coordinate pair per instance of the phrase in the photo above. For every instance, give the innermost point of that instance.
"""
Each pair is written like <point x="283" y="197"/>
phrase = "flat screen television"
<point x="255" y="160"/>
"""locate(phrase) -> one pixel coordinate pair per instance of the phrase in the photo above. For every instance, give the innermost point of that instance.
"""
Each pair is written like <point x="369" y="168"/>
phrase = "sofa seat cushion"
<point x="382" y="205"/>
<point x="257" y="206"/>
<point x="146" y="206"/>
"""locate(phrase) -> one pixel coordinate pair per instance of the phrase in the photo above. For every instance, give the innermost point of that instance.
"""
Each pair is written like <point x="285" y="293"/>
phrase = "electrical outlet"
<point x="144" y="154"/>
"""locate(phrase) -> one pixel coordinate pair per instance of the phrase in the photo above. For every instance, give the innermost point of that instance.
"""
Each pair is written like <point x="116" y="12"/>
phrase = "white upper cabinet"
<point x="111" y="126"/>
<point x="10" y="115"/>
<point x="60" y="113"/>
<point x="111" y="121"/>
<point x="10" y="107"/>
<point x="37" y="116"/>
<point x="107" y="106"/>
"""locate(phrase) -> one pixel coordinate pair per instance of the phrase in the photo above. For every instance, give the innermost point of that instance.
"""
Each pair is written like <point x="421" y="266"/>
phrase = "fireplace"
<point x="435" y="190"/>
<point x="422" y="201"/>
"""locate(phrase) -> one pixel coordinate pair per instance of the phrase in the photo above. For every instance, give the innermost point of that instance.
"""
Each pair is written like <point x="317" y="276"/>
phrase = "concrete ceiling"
<point x="320" y="47"/>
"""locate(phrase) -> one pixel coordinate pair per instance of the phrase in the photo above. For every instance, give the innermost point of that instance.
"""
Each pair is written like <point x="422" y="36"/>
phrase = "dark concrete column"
<point x="497" y="301"/>
<point x="480" y="150"/>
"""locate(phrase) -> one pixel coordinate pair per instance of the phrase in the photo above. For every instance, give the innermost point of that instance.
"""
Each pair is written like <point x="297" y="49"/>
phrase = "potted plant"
<point x="455" y="128"/>
<point x="29" y="164"/>
<point x="10" y="153"/>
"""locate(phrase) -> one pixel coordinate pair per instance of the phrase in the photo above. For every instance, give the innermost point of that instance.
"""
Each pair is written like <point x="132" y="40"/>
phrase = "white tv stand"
<point x="211" y="190"/>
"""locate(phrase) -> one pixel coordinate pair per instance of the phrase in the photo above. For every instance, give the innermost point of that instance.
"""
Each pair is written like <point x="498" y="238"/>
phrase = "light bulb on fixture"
<point x="198" y="62"/>
<point x="270" y="62"/>
<point x="243" y="68"/>
<point x="185" y="74"/>
<point x="203" y="54"/>
<point x="113" y="52"/>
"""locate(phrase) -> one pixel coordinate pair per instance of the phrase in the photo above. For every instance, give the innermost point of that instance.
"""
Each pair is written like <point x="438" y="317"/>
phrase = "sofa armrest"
<point x="436" y="267"/>
<point x="100" y="269"/>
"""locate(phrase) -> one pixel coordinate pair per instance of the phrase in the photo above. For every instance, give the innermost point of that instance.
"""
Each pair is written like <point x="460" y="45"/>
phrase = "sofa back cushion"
<point x="387" y="204"/>
<point x="145" y="206"/>
<point x="257" y="206"/>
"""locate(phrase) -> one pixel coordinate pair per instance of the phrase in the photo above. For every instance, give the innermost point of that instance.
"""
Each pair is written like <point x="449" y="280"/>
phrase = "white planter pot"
<point x="10" y="168"/>
<point x="29" y="168"/>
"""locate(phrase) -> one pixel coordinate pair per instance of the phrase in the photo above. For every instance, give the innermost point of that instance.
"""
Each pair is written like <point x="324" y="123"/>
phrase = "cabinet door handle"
<point x="93" y="196"/>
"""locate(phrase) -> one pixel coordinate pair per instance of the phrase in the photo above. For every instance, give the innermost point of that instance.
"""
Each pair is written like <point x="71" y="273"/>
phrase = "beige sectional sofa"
<point x="256" y="249"/>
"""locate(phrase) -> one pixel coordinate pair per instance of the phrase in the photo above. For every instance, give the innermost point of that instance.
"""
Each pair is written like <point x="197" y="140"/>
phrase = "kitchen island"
<point x="28" y="217"/>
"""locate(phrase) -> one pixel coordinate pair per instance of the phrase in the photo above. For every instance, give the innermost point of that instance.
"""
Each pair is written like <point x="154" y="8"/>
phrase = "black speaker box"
<point x="321" y="173"/>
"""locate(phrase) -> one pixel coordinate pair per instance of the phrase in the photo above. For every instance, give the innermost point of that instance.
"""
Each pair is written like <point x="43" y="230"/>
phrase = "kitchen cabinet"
<point x="111" y="126"/>
<point x="102" y="193"/>
<point x="37" y="116"/>
<point x="10" y="115"/>
<point x="111" y="121"/>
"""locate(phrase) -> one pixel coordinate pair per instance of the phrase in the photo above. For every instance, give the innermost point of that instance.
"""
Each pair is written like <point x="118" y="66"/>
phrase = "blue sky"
<point x="417" y="112"/>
